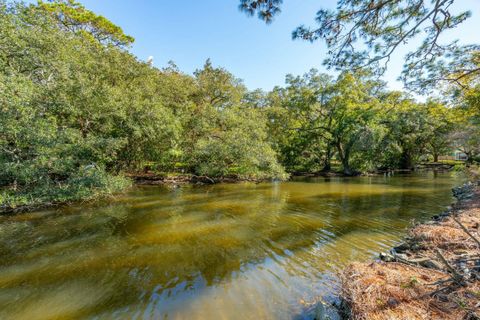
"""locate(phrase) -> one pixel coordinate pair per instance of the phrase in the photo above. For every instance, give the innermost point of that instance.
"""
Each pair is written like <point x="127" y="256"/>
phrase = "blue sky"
<point x="190" y="31"/>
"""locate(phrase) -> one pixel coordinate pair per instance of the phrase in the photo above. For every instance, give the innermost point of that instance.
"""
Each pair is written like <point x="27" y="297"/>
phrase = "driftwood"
<point x="416" y="262"/>
<point x="457" y="277"/>
<point x="467" y="232"/>
<point x="202" y="179"/>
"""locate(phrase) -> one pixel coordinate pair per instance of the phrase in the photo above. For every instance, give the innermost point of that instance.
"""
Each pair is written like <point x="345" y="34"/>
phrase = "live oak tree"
<point x="296" y="112"/>
<point x="224" y="134"/>
<point x="316" y="118"/>
<point x="440" y="122"/>
<point x="465" y="135"/>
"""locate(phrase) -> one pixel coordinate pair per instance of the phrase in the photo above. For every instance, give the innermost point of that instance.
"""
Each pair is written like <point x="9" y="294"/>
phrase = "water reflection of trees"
<point x="150" y="245"/>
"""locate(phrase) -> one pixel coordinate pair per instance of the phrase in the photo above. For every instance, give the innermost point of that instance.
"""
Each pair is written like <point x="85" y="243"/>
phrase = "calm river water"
<point x="229" y="251"/>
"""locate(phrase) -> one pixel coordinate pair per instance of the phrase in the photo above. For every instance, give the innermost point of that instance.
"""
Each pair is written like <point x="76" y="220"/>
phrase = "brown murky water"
<point x="232" y="251"/>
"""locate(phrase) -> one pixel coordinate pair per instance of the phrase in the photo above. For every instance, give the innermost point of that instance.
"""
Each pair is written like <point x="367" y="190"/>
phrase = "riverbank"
<point x="12" y="203"/>
<point x="428" y="166"/>
<point x="151" y="178"/>
<point x="433" y="274"/>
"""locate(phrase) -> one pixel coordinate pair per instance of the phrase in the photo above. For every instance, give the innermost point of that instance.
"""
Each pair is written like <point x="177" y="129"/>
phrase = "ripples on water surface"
<point x="232" y="251"/>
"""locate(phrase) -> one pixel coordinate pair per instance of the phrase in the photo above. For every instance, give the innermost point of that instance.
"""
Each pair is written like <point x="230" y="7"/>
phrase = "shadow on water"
<point x="234" y="251"/>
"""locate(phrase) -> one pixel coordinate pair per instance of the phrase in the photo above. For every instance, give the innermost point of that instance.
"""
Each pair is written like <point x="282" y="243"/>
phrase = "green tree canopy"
<point x="74" y="17"/>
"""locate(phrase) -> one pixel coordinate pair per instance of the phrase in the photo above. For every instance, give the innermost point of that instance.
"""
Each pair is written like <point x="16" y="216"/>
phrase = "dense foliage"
<point x="354" y="120"/>
<point x="78" y="110"/>
<point x="79" y="113"/>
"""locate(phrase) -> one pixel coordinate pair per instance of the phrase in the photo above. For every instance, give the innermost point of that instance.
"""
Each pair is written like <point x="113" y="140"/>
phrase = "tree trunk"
<point x="469" y="157"/>
<point x="346" y="168"/>
<point x="406" y="161"/>
<point x="328" y="157"/>
<point x="435" y="157"/>
<point x="327" y="166"/>
<point x="344" y="156"/>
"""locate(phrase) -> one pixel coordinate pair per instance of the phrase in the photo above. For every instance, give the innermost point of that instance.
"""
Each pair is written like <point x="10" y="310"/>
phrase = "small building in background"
<point x="456" y="155"/>
<point x="460" y="156"/>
